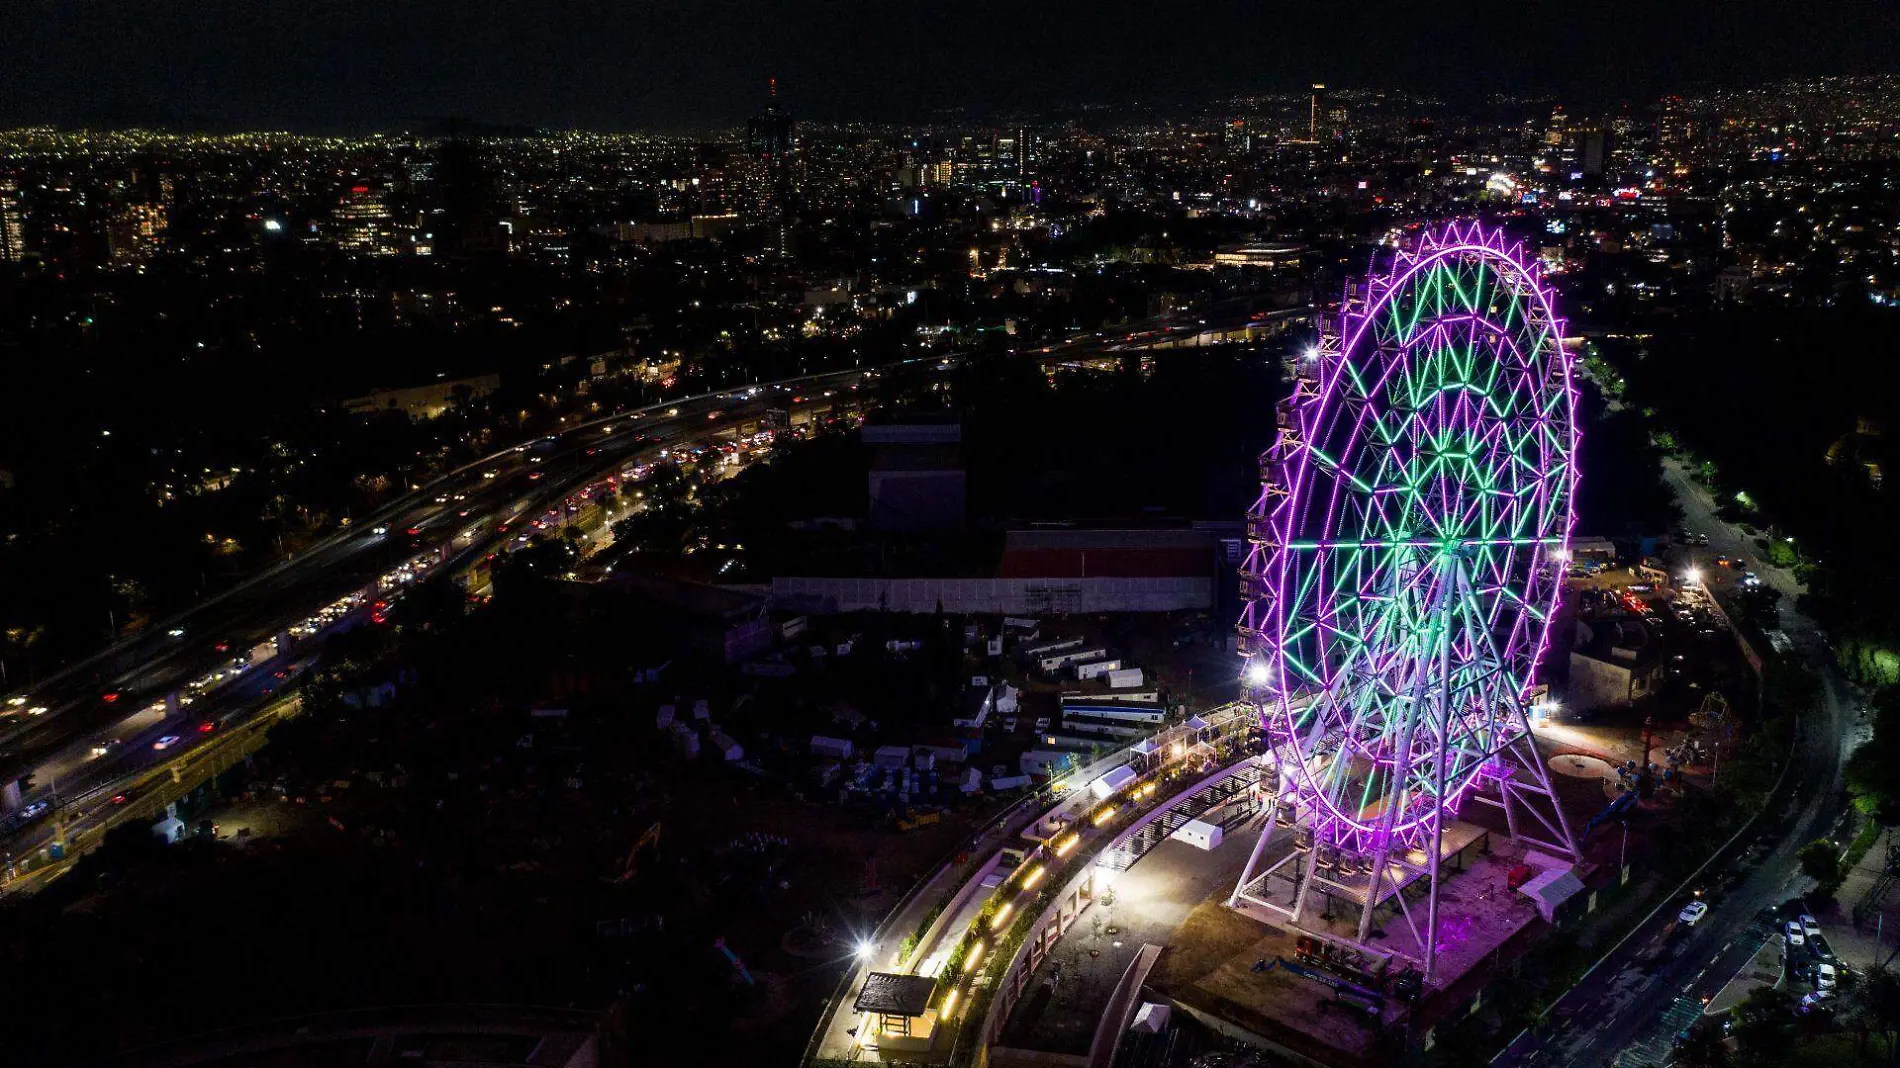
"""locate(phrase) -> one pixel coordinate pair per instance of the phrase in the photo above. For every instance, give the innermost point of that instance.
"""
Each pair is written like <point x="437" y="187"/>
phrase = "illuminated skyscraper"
<point x="772" y="143"/>
<point x="12" y="230"/>
<point x="135" y="233"/>
<point x="1559" y="128"/>
<point x="363" y="222"/>
<point x="1672" y="130"/>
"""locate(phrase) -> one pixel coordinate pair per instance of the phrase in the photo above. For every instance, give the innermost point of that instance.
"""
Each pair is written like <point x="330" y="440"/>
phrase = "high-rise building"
<point x="363" y="222"/>
<point x="12" y="229"/>
<point x="135" y="233"/>
<point x="1672" y="129"/>
<point x="1559" y="128"/>
<point x="1593" y="150"/>
<point x="772" y="141"/>
<point x="1312" y="118"/>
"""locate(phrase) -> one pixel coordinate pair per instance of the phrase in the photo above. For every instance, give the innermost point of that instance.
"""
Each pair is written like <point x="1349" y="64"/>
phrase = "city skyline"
<point x="350" y="67"/>
<point x="782" y="533"/>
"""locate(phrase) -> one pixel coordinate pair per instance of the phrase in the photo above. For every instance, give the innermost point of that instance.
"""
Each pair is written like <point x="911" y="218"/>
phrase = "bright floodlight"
<point x="1693" y="576"/>
<point x="1312" y="352"/>
<point x="1257" y="673"/>
<point x="865" y="949"/>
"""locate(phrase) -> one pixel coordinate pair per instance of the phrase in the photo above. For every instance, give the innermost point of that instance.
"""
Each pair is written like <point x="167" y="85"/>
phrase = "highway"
<point x="90" y="733"/>
<point x="191" y="677"/>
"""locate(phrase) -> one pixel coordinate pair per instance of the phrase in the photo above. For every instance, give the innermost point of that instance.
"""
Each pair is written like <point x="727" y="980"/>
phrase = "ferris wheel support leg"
<point x="1510" y="811"/>
<point x="1253" y="859"/>
<point x="1443" y="723"/>
<point x="1524" y="749"/>
<point x="1431" y="903"/>
<point x="1451" y="577"/>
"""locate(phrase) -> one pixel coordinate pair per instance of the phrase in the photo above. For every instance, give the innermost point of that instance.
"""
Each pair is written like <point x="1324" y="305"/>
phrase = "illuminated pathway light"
<point x="1405" y="559"/>
<point x="975" y="954"/>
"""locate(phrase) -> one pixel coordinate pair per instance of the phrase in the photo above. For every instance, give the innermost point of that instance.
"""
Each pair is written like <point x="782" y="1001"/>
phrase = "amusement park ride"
<point x="1406" y="552"/>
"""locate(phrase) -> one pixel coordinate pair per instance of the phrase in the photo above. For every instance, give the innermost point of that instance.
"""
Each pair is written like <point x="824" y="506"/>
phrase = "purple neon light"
<point x="1543" y="379"/>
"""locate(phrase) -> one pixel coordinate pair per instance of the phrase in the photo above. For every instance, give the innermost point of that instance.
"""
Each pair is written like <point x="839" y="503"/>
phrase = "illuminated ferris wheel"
<point x="1406" y="545"/>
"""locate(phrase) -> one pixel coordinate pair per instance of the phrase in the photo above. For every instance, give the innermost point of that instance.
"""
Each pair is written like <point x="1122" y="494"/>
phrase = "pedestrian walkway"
<point x="1762" y="969"/>
<point x="1862" y="923"/>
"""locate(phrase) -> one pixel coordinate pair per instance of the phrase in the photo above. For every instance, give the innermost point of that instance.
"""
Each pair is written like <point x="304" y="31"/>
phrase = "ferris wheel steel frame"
<point x="1403" y="568"/>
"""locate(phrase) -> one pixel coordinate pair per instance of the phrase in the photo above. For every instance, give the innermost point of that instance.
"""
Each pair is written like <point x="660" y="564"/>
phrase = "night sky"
<point x="348" y="65"/>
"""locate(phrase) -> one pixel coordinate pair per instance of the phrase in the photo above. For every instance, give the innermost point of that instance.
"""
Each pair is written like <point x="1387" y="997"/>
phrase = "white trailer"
<point x="1009" y="782"/>
<point x="1198" y="834"/>
<point x="1053" y="647"/>
<point x="1106" y="730"/>
<point x="831" y="748"/>
<point x="890" y="757"/>
<point x="1096" y="667"/>
<point x="1058" y="661"/>
<point x="1124" y="679"/>
<point x="1119" y="711"/>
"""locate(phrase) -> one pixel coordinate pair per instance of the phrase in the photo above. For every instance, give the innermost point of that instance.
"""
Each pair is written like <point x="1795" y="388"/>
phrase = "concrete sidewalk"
<point x="1871" y="892"/>
<point x="1762" y="969"/>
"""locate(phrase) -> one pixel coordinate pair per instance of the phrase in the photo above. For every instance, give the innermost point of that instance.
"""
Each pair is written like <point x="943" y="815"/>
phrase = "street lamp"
<point x="865" y="949"/>
<point x="1258" y="672"/>
<point x="1693" y="576"/>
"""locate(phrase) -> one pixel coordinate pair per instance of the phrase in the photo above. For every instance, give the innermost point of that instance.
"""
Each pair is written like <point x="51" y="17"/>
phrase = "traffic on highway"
<point x="73" y="745"/>
<point x="70" y="746"/>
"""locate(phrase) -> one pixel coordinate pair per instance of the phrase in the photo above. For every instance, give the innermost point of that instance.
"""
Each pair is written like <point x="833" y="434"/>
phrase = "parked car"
<point x="1794" y="934"/>
<point x="1808" y="925"/>
<point x="1693" y="913"/>
<point x="1826" y="976"/>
